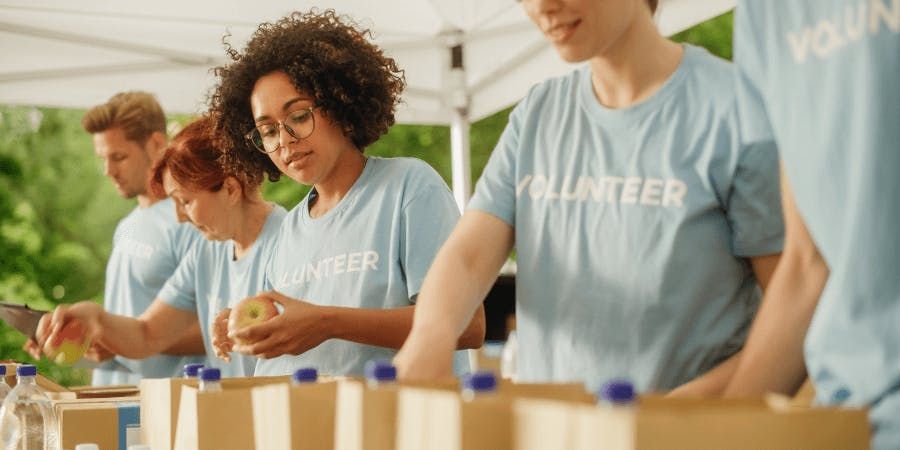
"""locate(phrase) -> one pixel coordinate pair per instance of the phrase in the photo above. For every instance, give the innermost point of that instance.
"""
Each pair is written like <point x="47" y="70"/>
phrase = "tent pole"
<point x="460" y="157"/>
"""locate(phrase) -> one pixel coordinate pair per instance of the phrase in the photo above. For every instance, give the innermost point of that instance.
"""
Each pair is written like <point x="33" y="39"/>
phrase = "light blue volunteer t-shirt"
<point x="633" y="227"/>
<point x="828" y="74"/>
<point x="372" y="250"/>
<point x="209" y="280"/>
<point x="147" y="247"/>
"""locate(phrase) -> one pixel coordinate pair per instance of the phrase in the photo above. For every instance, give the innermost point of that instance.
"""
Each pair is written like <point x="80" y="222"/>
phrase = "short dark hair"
<point x="326" y="56"/>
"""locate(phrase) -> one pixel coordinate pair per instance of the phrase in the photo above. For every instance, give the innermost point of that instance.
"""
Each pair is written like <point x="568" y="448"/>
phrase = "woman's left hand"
<point x="301" y="326"/>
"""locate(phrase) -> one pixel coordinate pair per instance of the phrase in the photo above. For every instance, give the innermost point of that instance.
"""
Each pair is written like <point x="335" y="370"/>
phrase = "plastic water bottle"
<point x="4" y="388"/>
<point x="478" y="384"/>
<point x="305" y="375"/>
<point x="379" y="372"/>
<point x="192" y="370"/>
<point x="27" y="419"/>
<point x="617" y="393"/>
<point x="210" y="380"/>
<point x="509" y="357"/>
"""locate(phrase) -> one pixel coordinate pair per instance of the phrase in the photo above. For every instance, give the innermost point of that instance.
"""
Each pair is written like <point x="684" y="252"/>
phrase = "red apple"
<point x="250" y="311"/>
<point x="69" y="344"/>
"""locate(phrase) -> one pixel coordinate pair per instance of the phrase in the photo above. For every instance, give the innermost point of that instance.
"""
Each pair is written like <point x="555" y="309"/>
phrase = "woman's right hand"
<point x="220" y="340"/>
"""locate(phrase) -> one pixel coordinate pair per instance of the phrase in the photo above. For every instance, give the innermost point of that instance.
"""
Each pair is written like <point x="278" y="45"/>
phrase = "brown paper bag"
<point x="442" y="420"/>
<point x="695" y="424"/>
<point x="161" y="399"/>
<point x="367" y="417"/>
<point x="297" y="417"/>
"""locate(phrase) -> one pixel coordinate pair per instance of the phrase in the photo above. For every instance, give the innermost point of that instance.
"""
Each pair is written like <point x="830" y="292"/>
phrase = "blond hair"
<point x="138" y="114"/>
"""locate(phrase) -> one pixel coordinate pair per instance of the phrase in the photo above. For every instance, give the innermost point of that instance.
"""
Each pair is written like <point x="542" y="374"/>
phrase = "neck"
<point x="339" y="181"/>
<point x="635" y="67"/>
<point x="251" y="220"/>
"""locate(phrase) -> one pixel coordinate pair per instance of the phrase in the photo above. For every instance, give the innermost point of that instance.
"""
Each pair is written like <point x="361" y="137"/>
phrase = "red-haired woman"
<point x="240" y="230"/>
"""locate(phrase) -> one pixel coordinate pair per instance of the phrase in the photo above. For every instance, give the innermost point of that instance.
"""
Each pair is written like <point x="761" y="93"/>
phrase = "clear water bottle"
<point x="305" y="375"/>
<point x="379" y="372"/>
<point x="617" y="393"/>
<point x="509" y="357"/>
<point x="210" y="380"/>
<point x="27" y="419"/>
<point x="478" y="384"/>
<point x="4" y="388"/>
<point x="192" y="370"/>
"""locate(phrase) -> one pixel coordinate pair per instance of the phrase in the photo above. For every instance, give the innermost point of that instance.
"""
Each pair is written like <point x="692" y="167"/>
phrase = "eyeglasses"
<point x="267" y="137"/>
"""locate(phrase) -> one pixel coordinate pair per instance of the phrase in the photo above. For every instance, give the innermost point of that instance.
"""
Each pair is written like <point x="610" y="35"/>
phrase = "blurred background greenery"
<point x="58" y="211"/>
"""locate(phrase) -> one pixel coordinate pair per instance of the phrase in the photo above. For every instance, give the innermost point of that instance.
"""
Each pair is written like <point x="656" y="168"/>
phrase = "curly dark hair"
<point x="326" y="56"/>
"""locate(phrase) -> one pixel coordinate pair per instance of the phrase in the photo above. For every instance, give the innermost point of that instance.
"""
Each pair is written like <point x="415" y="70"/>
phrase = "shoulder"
<point x="711" y="76"/>
<point x="407" y="172"/>
<point x="559" y="89"/>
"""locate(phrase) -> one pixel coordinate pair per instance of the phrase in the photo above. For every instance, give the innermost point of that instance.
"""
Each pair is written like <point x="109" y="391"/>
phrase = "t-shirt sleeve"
<point x="427" y="219"/>
<point x="495" y="192"/>
<point x="754" y="204"/>
<point x="180" y="290"/>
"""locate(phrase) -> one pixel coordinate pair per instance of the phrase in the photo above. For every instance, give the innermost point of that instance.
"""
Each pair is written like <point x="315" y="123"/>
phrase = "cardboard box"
<point x="160" y="401"/>
<point x="218" y="420"/>
<point x="112" y="424"/>
<point x="98" y="392"/>
<point x="367" y="417"/>
<point x="695" y="424"/>
<point x="297" y="417"/>
<point x="442" y="420"/>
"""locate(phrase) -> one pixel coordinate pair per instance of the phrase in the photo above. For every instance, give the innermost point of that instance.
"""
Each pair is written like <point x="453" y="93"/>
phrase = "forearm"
<point x="128" y="336"/>
<point x="390" y="327"/>
<point x="191" y="343"/>
<point x="450" y="302"/>
<point x="772" y="359"/>
<point x="711" y="383"/>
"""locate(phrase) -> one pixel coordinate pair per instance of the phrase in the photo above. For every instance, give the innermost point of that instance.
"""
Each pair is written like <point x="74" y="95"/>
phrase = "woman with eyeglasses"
<point x="643" y="223"/>
<point x="305" y="98"/>
<point x="240" y="230"/>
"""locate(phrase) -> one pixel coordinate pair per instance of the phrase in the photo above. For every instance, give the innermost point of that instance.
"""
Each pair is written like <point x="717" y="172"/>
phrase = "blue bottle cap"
<point x="2" y="370"/>
<point x="380" y="370"/>
<point x="210" y="374"/>
<point x="480" y="382"/>
<point x="617" y="391"/>
<point x="191" y="370"/>
<point x="26" y="370"/>
<point x="306" y="375"/>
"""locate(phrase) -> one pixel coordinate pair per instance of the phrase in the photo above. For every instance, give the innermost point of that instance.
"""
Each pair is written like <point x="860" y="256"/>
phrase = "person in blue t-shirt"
<point x="129" y="133"/>
<point x="644" y="223"/>
<point x="240" y="230"/>
<point x="828" y="75"/>
<point x="305" y="97"/>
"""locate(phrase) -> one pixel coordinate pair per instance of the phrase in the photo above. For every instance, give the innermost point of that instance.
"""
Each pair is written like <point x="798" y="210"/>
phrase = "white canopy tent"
<point x="77" y="54"/>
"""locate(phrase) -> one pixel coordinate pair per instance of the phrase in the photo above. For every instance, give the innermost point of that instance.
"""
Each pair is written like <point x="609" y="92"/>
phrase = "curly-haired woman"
<point x="306" y="96"/>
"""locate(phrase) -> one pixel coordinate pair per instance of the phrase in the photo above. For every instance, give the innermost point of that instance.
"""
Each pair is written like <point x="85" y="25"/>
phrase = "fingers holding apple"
<point x="68" y="345"/>
<point x="299" y="327"/>
<point x="247" y="313"/>
<point x="222" y="344"/>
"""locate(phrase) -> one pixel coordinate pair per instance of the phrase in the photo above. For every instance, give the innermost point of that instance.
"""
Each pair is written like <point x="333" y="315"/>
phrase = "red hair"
<point x="192" y="159"/>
